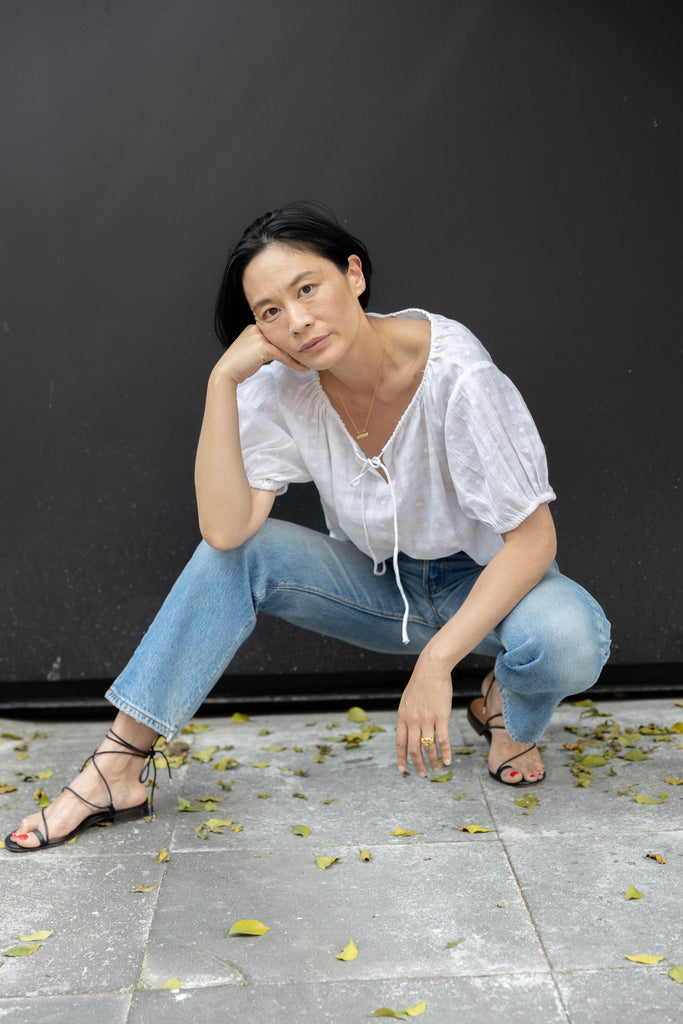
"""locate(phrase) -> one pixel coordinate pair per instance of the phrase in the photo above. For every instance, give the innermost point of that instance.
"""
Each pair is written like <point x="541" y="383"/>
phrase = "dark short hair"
<point x="308" y="226"/>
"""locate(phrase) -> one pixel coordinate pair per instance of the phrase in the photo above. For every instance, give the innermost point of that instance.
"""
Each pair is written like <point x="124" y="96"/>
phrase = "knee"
<point x="573" y="647"/>
<point x="563" y="652"/>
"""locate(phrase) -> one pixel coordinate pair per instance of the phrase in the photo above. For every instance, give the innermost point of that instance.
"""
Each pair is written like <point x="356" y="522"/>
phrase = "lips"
<point x="314" y="343"/>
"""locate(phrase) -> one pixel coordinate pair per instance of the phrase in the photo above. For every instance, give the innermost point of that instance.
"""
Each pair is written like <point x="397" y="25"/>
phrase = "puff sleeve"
<point x="495" y="455"/>
<point x="272" y="458"/>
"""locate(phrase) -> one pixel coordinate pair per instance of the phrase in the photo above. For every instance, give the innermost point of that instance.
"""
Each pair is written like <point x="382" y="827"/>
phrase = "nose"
<point x="299" y="318"/>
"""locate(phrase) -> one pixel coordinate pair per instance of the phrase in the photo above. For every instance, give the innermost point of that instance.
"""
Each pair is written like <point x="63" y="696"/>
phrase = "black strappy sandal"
<point x="104" y="812"/>
<point x="483" y="727"/>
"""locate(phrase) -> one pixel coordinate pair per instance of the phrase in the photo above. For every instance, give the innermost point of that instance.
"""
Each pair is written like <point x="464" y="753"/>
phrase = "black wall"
<point x="513" y="164"/>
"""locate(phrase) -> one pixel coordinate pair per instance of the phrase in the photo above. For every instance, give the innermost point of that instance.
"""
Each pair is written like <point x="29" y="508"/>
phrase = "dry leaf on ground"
<point x="249" y="927"/>
<point x="349" y="952"/>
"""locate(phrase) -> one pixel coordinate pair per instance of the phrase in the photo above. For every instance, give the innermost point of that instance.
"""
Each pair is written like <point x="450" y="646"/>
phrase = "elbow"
<point x="221" y="540"/>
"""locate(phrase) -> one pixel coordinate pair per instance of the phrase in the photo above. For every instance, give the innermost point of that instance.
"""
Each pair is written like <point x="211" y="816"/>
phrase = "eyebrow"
<point x="292" y="284"/>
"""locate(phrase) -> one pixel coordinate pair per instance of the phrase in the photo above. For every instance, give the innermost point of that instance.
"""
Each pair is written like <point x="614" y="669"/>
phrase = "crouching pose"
<point x="434" y="485"/>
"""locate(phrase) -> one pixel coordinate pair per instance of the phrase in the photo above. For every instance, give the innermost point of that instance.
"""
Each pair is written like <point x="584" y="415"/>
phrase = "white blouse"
<point x="464" y="464"/>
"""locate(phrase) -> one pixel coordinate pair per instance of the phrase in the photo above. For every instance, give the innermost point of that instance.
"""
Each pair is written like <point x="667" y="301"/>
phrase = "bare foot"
<point x="527" y="768"/>
<point x="66" y="812"/>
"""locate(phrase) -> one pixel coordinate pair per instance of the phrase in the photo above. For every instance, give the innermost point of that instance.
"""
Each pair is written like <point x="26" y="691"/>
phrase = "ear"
<point x="355" y="274"/>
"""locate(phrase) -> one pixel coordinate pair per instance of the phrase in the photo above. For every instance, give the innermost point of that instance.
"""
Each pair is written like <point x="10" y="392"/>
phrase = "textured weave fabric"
<point x="465" y="462"/>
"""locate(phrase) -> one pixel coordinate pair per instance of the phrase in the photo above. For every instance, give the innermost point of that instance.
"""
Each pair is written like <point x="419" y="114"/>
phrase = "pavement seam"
<point x="525" y="902"/>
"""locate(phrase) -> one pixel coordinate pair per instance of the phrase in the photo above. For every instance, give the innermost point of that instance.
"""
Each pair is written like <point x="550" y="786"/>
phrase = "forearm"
<point x="521" y="563"/>
<point x="224" y="497"/>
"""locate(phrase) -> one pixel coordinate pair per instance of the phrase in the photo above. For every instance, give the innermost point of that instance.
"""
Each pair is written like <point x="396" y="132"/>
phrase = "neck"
<point x="358" y="372"/>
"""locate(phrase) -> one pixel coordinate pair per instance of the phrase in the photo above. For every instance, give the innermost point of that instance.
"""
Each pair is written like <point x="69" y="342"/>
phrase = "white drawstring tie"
<point x="380" y="568"/>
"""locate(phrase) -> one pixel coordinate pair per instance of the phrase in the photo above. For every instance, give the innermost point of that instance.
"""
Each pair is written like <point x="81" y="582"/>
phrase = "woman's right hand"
<point x="248" y="353"/>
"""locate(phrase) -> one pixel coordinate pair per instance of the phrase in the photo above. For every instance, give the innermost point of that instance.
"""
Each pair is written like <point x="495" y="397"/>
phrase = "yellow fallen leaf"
<point x="205" y="755"/>
<point x="633" y="894"/>
<point x="185" y="805"/>
<point x="163" y="855"/>
<point x="236" y="828"/>
<point x="527" y="800"/>
<point x="410" y="1011"/>
<point x="21" y="950"/>
<point x="676" y="973"/>
<point x="238" y="717"/>
<point x="36" y="937"/>
<point x="349" y="952"/>
<point x="593" y="761"/>
<point x="403" y="832"/>
<point x="2" y="844"/>
<point x="357" y="715"/>
<point x="301" y="830"/>
<point x="472" y="828"/>
<point x="656" y="856"/>
<point x="144" y="888"/>
<point x="325" y="862"/>
<point x="365" y="855"/>
<point x="260" y="764"/>
<point x="446" y="777"/>
<point x="194" y="727"/>
<point x="44" y="775"/>
<point x="673" y="781"/>
<point x="455" y="942"/>
<point x="5" y="787"/>
<point x="645" y="958"/>
<point x="677" y="727"/>
<point x="415" y="1011"/>
<point x="249" y="927"/>
<point x="264" y="796"/>
<point x="172" y="983"/>
<point x="274" y="748"/>
<point x="640" y="799"/>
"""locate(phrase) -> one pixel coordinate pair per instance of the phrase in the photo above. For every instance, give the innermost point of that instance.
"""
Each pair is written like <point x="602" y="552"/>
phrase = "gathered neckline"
<point x="324" y="399"/>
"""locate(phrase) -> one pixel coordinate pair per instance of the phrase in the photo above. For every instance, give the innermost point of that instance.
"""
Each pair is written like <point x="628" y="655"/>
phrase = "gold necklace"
<point x="360" y="434"/>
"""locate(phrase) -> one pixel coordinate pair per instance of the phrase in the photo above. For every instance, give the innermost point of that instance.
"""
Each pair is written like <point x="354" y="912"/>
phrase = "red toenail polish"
<point x="513" y="774"/>
<point x="19" y="835"/>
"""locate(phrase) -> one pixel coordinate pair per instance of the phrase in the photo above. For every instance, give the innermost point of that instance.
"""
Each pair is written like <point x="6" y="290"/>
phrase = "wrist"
<point x="439" y="656"/>
<point x="220" y="379"/>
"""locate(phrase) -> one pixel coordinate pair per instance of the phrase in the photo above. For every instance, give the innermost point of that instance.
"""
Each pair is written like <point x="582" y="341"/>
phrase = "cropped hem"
<point x="162" y="728"/>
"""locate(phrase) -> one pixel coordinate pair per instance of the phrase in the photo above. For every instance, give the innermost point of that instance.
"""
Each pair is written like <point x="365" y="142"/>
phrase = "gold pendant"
<point x="360" y="436"/>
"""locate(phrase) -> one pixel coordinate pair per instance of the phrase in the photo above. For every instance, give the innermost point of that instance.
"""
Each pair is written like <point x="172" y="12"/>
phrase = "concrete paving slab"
<point x="561" y="869"/>
<point x="99" y="926"/>
<point x="576" y="895"/>
<point x="365" y="805"/>
<point x="636" y="995"/>
<point x="63" y="756"/>
<point x="55" y="1009"/>
<point x="402" y="908"/>
<point x="520" y="999"/>
<point x="608" y="805"/>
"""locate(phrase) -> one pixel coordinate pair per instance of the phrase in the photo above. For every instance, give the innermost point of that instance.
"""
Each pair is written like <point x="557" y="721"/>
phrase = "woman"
<point x="424" y="456"/>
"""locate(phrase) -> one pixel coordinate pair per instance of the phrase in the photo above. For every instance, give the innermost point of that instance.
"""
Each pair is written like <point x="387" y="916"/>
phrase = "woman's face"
<point x="304" y="304"/>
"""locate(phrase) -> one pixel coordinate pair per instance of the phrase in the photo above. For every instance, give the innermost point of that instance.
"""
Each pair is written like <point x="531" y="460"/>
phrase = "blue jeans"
<point x="552" y="644"/>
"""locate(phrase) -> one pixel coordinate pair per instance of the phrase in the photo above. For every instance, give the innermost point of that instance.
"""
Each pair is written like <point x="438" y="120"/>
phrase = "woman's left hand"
<point x="424" y="711"/>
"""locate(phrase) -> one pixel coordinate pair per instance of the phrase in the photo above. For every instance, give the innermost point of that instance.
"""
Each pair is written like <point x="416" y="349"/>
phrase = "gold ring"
<point x="427" y="741"/>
